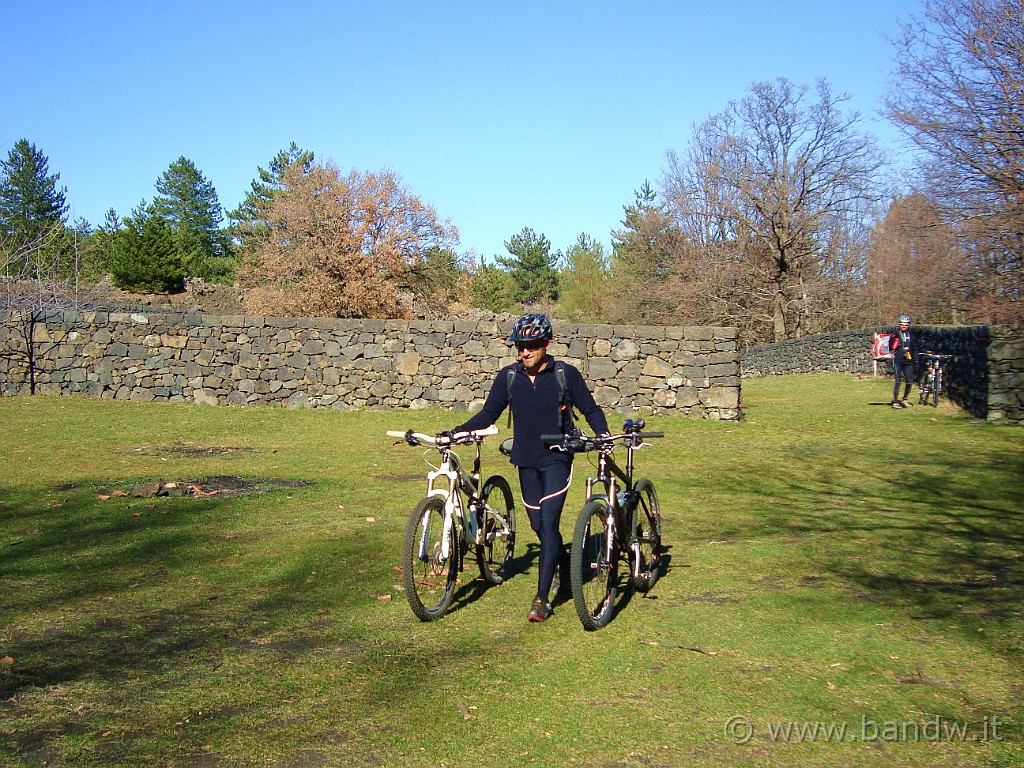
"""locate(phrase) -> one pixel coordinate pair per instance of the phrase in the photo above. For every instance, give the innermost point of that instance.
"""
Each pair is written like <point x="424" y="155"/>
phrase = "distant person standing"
<point x="901" y="344"/>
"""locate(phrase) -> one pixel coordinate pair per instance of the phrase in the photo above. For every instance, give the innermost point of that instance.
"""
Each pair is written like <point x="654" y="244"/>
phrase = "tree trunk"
<point x="779" y="314"/>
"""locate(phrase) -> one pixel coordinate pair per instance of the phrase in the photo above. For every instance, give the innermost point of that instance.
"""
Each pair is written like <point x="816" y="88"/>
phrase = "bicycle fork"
<point x="452" y="510"/>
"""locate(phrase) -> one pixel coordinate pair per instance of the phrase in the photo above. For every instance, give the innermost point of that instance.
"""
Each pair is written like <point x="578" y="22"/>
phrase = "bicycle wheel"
<point x="496" y="517"/>
<point x="646" y="529"/>
<point x="429" y="577"/>
<point x="937" y="388"/>
<point x="594" y="564"/>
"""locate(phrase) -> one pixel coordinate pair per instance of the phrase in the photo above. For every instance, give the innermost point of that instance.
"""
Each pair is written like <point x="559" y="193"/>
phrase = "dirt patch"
<point x="233" y="484"/>
<point x="215" y="485"/>
<point x="191" y="451"/>
<point x="198" y="297"/>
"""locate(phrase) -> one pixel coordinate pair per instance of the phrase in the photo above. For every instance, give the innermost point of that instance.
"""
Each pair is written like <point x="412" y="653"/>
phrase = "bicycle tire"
<point x="594" y="578"/>
<point x="646" y="527"/>
<point x="430" y="581"/>
<point x="494" y="555"/>
<point x="936" y="389"/>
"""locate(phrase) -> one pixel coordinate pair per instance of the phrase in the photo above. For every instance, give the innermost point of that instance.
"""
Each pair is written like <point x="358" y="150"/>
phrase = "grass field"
<point x="855" y="575"/>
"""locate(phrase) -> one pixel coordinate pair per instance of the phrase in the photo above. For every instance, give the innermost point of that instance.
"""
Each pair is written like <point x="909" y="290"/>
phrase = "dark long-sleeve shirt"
<point x="902" y="342"/>
<point x="536" y="410"/>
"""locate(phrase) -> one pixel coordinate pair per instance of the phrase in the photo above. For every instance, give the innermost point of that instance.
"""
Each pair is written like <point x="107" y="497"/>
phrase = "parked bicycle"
<point x="444" y="525"/>
<point x="620" y="519"/>
<point x="934" y="382"/>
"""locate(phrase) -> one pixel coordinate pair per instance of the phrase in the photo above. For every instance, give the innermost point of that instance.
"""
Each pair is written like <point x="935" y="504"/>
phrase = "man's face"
<point x="532" y="352"/>
<point x="904" y="326"/>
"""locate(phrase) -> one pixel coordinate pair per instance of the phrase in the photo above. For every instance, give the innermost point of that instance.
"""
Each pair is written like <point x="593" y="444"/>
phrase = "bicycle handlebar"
<point x="580" y="443"/>
<point x="458" y="438"/>
<point x="937" y="356"/>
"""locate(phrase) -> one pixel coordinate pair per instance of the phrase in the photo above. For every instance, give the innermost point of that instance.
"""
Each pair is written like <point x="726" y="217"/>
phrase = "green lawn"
<point x="842" y="563"/>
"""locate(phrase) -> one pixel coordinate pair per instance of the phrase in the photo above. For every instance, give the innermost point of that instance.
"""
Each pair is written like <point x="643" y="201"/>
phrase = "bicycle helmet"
<point x="532" y="327"/>
<point x="904" y="319"/>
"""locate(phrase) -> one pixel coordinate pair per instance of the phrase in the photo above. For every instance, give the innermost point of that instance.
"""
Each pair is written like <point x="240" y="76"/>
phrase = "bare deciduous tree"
<point x="37" y="280"/>
<point x="959" y="96"/>
<point x="914" y="267"/>
<point x="772" y="193"/>
<point x="343" y="245"/>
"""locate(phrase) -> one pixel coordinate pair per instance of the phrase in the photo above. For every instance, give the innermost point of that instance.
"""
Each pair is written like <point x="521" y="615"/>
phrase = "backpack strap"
<point x="508" y="394"/>
<point x="564" y="399"/>
<point x="565" y="403"/>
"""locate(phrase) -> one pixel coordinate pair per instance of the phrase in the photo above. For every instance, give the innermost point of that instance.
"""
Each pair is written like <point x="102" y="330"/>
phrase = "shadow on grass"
<point x="134" y="605"/>
<point x="941" y="536"/>
<point x="106" y="590"/>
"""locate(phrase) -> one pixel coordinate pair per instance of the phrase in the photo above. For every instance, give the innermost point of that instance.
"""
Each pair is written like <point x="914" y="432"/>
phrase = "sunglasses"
<point x="523" y="345"/>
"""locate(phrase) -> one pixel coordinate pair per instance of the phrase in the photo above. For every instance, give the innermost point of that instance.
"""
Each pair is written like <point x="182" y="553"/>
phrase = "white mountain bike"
<point x="458" y="513"/>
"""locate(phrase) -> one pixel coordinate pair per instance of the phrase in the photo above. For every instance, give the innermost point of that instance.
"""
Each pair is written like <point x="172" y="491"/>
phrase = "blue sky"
<point x="502" y="115"/>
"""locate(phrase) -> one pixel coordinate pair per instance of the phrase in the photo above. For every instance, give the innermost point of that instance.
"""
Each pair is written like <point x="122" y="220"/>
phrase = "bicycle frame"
<point x="449" y="480"/>
<point x="444" y="526"/>
<point x="934" y="382"/>
<point x="456" y="479"/>
<point x="608" y="471"/>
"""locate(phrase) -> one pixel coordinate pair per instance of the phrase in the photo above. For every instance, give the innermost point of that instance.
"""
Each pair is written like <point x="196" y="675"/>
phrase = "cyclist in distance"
<point x="541" y="393"/>
<point x="901" y="344"/>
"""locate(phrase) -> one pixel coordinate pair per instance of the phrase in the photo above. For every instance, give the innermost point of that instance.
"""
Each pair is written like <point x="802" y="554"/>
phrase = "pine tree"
<point x="532" y="265"/>
<point x="251" y="213"/>
<point x="145" y="257"/>
<point x="189" y="204"/>
<point x="492" y="288"/>
<point x="32" y="208"/>
<point x="102" y="241"/>
<point x="584" y="284"/>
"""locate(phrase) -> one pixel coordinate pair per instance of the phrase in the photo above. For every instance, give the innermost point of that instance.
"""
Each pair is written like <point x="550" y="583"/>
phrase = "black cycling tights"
<point x="544" y="490"/>
<point x="903" y="369"/>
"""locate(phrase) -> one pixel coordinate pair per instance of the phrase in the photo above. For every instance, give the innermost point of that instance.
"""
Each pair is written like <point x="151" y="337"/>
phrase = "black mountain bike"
<point x="934" y="382"/>
<point x="617" y="522"/>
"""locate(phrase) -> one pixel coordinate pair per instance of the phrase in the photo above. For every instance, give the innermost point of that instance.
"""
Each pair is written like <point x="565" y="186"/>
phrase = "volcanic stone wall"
<point x="985" y="375"/>
<point x="337" y="363"/>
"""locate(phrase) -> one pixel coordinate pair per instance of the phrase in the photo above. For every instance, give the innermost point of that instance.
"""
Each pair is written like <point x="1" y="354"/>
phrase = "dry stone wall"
<point x="318" y="363"/>
<point x="1006" y="375"/>
<point x="985" y="375"/>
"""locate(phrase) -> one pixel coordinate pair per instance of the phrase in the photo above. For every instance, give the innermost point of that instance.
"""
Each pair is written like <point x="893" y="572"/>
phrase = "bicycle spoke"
<point x="497" y="522"/>
<point x="646" y="529"/>
<point x="428" y="573"/>
<point x="593" y="571"/>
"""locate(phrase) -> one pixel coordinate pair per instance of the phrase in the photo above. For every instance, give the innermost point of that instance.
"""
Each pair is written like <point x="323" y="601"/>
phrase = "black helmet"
<point x="532" y="327"/>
